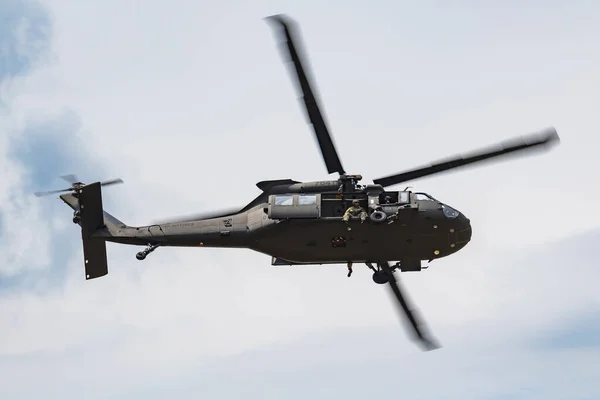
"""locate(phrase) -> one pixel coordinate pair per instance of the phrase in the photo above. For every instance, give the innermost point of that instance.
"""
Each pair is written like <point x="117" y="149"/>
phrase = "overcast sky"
<point x="190" y="104"/>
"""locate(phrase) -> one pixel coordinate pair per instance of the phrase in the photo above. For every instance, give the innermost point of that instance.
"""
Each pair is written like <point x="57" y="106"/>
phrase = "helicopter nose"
<point x="462" y="232"/>
<point x="460" y="228"/>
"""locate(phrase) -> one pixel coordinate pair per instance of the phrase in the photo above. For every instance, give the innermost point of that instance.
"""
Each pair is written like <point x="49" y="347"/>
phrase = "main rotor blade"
<point x="419" y="326"/>
<point x="197" y="217"/>
<point x="290" y="35"/>
<point x="530" y="142"/>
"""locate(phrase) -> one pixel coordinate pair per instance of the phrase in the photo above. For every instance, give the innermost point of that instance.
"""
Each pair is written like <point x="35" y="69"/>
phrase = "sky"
<point x="190" y="104"/>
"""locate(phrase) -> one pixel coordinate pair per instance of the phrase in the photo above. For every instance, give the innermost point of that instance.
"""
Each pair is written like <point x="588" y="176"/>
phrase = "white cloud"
<point x="20" y="228"/>
<point x="183" y="102"/>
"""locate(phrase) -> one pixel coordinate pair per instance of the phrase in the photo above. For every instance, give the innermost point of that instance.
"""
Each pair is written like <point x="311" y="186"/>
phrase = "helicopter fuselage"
<point x="307" y="228"/>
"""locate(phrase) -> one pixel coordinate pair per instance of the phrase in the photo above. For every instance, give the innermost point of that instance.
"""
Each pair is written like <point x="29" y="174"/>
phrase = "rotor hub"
<point x="356" y="178"/>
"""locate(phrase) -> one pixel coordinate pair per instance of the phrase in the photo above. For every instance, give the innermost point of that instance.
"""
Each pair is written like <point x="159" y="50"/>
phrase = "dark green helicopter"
<point x="308" y="223"/>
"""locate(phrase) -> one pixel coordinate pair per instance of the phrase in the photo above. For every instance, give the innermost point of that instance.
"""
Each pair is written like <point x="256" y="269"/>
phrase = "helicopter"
<point x="336" y="221"/>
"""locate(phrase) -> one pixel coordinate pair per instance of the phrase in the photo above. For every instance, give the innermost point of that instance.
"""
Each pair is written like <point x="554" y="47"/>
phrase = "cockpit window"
<point x="307" y="199"/>
<point x="284" y="200"/>
<point x="424" y="196"/>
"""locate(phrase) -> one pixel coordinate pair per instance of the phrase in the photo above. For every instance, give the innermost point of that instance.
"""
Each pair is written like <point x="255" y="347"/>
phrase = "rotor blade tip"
<point x="548" y="137"/>
<point x="277" y="18"/>
<point x="429" y="345"/>
<point x="552" y="135"/>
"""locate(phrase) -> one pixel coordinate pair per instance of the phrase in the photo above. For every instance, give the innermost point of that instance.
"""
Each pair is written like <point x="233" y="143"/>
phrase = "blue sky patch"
<point x="25" y="31"/>
<point x="48" y="150"/>
<point x="45" y="149"/>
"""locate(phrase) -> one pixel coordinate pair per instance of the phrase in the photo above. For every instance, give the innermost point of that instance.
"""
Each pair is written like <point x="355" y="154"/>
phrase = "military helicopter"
<point x="304" y="223"/>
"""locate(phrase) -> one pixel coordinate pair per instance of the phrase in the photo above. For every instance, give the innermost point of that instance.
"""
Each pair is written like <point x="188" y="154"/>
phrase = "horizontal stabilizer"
<point x="72" y="202"/>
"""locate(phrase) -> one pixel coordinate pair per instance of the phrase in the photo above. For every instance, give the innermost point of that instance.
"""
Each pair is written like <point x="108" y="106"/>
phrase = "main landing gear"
<point x="381" y="274"/>
<point x="142" y="254"/>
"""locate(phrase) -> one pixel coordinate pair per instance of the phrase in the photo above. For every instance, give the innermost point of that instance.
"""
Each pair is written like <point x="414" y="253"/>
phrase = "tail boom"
<point x="99" y="227"/>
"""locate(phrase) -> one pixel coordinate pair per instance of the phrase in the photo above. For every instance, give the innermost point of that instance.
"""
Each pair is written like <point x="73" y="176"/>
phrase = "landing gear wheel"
<point x="378" y="216"/>
<point x="142" y="254"/>
<point x="381" y="277"/>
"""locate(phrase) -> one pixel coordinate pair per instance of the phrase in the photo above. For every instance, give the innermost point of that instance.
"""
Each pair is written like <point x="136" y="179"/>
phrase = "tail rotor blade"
<point x="71" y="178"/>
<point x="111" y="182"/>
<point x="76" y="185"/>
<point x="40" y="194"/>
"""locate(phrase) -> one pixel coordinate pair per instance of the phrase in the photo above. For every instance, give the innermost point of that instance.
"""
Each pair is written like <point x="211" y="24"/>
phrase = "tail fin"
<point x="92" y="218"/>
<point x="90" y="208"/>
<point x="109" y="221"/>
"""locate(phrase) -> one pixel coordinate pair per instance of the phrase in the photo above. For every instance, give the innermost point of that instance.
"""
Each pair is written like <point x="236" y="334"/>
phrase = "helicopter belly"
<point x="321" y="241"/>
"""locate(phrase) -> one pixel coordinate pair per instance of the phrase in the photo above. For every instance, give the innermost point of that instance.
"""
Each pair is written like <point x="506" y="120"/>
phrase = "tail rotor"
<point x="76" y="185"/>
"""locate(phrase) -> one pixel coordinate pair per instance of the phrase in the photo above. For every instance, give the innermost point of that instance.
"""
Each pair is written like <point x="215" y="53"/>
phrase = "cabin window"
<point x="403" y="197"/>
<point x="284" y="200"/>
<point x="307" y="199"/>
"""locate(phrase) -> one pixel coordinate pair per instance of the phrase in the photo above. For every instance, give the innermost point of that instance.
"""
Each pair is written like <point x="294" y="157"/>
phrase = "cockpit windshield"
<point x="425" y="197"/>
